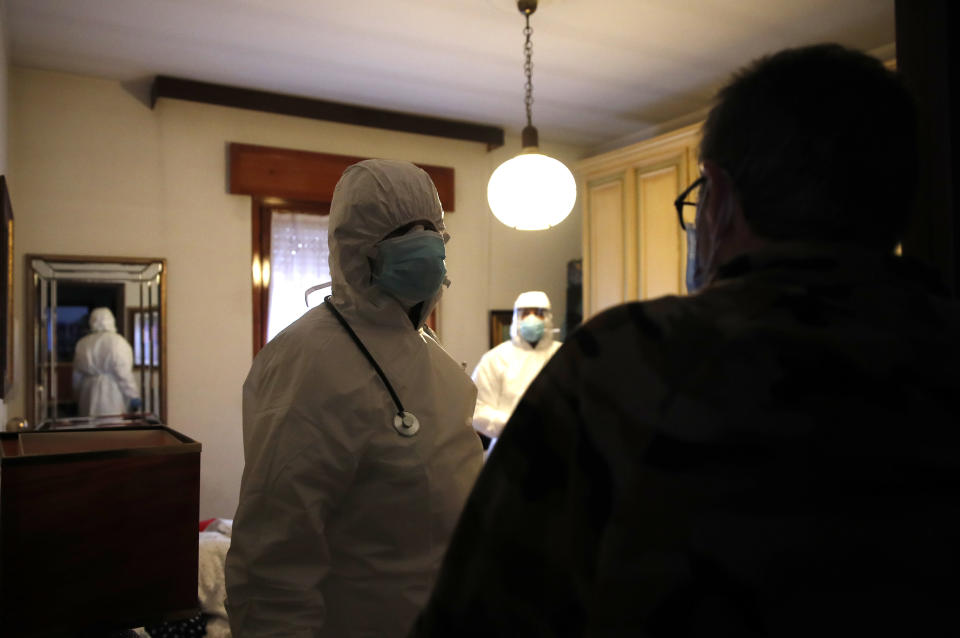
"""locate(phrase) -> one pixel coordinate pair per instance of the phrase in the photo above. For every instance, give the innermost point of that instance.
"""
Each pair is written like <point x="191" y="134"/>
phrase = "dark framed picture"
<point x="500" y="326"/>
<point x="6" y="294"/>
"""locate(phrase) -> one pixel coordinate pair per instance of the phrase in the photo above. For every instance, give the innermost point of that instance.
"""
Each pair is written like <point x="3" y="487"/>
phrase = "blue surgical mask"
<point x="695" y="272"/>
<point x="531" y="328"/>
<point x="410" y="267"/>
<point x="700" y="269"/>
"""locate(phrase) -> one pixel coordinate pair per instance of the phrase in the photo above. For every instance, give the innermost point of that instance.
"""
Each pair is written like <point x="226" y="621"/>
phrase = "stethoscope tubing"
<point x="366" y="353"/>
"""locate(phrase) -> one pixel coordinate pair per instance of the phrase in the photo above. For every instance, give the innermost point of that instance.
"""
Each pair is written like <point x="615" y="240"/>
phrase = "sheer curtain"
<point x="298" y="260"/>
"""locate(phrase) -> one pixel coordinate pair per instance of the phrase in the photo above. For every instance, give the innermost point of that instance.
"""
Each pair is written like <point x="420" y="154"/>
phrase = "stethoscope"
<point x="403" y="422"/>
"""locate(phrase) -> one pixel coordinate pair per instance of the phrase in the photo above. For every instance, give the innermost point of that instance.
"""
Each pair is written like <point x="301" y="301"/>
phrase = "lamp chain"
<point x="528" y="70"/>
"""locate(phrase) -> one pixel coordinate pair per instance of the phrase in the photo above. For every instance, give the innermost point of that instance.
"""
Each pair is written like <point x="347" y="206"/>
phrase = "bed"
<point x="214" y="541"/>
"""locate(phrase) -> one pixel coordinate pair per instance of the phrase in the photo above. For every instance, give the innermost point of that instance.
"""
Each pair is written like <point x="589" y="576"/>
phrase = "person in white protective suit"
<point x="103" y="379"/>
<point x="348" y="498"/>
<point x="503" y="374"/>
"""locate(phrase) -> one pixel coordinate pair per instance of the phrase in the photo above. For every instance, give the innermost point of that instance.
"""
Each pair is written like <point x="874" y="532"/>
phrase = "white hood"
<point x="372" y="199"/>
<point x="532" y="299"/>
<point x="101" y="320"/>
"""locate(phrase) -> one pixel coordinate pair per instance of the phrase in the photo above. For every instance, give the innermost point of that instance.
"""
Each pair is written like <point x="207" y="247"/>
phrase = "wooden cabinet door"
<point x="604" y="231"/>
<point x="660" y="251"/>
<point x="633" y="246"/>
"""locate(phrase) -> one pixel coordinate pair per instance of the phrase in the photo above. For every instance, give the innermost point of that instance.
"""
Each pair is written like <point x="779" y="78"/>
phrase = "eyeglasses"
<point x="681" y="200"/>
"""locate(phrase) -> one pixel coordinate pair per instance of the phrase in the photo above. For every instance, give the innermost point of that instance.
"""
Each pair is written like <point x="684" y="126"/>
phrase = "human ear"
<point x="722" y="206"/>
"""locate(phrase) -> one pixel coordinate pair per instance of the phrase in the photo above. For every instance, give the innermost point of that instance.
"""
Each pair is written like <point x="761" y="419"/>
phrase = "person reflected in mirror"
<point x="776" y="454"/>
<point x="103" y="380"/>
<point x="358" y="450"/>
<point x="503" y="374"/>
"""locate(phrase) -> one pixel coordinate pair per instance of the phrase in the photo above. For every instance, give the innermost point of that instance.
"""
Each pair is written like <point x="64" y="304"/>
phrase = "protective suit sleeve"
<point x="279" y="555"/>
<point x="525" y="544"/>
<point x="121" y="366"/>
<point x="489" y="417"/>
<point x="79" y="363"/>
<point x="77" y="379"/>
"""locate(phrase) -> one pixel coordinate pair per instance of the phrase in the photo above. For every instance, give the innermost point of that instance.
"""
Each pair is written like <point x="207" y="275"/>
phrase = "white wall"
<point x="94" y="170"/>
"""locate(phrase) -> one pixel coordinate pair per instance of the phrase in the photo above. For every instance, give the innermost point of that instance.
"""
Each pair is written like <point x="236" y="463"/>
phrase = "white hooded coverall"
<point x="343" y="522"/>
<point x="103" y="368"/>
<point x="503" y="374"/>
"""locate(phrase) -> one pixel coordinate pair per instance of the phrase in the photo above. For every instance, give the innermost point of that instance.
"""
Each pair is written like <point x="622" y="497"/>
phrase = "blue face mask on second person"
<point x="531" y="328"/>
<point x="410" y="267"/>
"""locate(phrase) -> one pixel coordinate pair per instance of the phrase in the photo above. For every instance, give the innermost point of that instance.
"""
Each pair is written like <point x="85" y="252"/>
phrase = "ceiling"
<point x="606" y="72"/>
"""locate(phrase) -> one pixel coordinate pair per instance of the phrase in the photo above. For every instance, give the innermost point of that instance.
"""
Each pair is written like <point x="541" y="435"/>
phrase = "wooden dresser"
<point x="98" y="529"/>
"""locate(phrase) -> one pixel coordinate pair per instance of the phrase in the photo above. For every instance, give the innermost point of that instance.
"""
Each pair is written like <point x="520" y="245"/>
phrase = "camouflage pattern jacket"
<point x="775" y="456"/>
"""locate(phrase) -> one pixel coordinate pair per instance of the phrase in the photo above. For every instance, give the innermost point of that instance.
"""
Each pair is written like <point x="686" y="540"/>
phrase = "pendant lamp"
<point x="531" y="191"/>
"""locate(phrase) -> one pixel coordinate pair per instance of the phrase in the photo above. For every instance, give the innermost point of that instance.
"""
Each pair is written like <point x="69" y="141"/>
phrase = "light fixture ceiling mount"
<point x="527" y="7"/>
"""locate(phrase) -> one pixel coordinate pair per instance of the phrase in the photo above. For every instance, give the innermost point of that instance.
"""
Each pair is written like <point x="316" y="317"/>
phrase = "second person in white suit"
<point x="503" y="374"/>
<point x="103" y="378"/>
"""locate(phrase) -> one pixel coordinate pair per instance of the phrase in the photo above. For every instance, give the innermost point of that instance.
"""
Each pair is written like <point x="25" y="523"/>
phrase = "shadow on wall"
<point x="140" y="89"/>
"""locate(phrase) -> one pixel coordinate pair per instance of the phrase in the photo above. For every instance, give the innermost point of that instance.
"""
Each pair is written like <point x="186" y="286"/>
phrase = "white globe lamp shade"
<point x="531" y="192"/>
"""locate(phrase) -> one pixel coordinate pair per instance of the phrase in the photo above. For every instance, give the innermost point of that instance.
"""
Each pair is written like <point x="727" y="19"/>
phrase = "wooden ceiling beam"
<point x="223" y="95"/>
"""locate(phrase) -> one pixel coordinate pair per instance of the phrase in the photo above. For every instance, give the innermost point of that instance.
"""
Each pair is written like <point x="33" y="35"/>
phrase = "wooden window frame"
<point x="261" y="216"/>
<point x="268" y="172"/>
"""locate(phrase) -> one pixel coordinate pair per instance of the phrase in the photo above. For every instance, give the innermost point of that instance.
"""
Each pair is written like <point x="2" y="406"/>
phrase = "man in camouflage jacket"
<point x="776" y="455"/>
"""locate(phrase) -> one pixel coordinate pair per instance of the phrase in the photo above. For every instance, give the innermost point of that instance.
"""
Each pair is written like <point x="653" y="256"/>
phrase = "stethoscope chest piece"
<point x="406" y="424"/>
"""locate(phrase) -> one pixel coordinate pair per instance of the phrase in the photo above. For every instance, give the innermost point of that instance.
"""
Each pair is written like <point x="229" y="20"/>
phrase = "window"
<point x="298" y="260"/>
<point x="144" y="325"/>
<point x="289" y="256"/>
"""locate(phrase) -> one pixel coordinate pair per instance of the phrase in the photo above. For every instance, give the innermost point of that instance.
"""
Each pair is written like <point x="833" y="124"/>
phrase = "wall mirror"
<point x="67" y="383"/>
